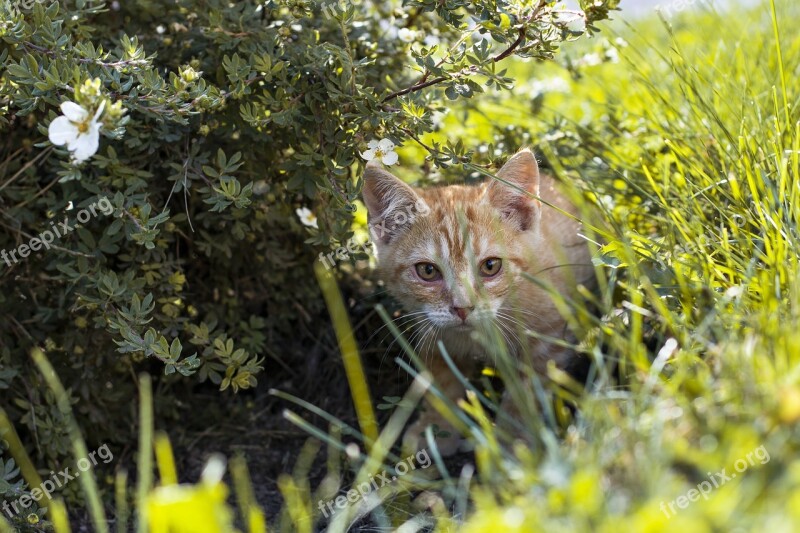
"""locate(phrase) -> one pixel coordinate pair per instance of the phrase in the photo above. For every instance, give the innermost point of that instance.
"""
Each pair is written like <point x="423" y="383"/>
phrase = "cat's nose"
<point x="461" y="312"/>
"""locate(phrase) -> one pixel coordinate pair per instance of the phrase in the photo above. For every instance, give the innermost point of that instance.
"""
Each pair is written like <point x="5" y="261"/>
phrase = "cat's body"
<point x="459" y="263"/>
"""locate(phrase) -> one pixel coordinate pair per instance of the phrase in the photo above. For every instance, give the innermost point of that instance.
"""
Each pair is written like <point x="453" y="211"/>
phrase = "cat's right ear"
<point x="390" y="201"/>
<point x="515" y="196"/>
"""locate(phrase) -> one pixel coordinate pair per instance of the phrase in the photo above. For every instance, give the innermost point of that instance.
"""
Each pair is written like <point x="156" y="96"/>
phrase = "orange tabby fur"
<point x="456" y="228"/>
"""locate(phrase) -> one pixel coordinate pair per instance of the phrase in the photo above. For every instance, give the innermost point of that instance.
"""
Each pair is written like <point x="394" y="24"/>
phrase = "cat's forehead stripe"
<point x="430" y="248"/>
<point x="484" y="247"/>
<point x="454" y="241"/>
<point x="444" y="250"/>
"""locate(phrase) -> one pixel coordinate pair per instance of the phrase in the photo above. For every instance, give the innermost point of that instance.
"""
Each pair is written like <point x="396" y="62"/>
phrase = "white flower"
<point x="431" y="40"/>
<point x="388" y="29"/>
<point x="307" y="217"/>
<point x="406" y="35"/>
<point x="572" y="21"/>
<point x="612" y="54"/>
<point x="383" y="150"/>
<point x="555" y="84"/>
<point x="590" y="60"/>
<point x="577" y="24"/>
<point x="437" y="117"/>
<point x="734" y="292"/>
<point x="79" y="130"/>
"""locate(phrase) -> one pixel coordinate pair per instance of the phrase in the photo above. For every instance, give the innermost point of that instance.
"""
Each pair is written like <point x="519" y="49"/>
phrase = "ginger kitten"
<point x="458" y="261"/>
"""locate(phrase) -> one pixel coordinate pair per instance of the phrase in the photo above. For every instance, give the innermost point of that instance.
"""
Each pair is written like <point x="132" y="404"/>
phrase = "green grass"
<point x="698" y="128"/>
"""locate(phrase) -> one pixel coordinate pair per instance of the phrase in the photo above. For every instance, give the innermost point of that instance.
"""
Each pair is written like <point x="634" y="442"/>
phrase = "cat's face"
<point x="455" y="254"/>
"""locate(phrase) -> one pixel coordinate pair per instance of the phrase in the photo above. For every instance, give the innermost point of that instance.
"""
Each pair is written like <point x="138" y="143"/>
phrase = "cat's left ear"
<point x="515" y="203"/>
<point x="391" y="203"/>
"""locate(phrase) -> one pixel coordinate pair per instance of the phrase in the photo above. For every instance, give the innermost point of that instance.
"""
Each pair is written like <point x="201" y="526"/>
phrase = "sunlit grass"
<point x="692" y="146"/>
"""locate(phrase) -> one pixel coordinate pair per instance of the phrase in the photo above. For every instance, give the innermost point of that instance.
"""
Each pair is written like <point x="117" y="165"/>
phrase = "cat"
<point x="455" y="255"/>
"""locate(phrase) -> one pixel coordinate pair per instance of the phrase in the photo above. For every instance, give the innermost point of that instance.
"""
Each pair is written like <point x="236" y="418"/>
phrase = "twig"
<point x="26" y="166"/>
<point x="416" y="87"/>
<point x="425" y="82"/>
<point x="38" y="194"/>
<point x="415" y="138"/>
<point x="331" y="179"/>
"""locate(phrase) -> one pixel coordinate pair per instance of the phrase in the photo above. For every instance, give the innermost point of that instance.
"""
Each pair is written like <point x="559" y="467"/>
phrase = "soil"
<point x="252" y="423"/>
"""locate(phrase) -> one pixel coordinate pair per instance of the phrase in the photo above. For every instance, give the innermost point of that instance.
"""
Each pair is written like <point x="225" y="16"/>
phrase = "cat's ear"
<point x="391" y="203"/>
<point x="515" y="203"/>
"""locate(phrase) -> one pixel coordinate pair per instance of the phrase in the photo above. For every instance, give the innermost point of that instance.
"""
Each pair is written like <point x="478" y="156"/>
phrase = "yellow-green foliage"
<point x="687" y="133"/>
<point x="698" y="127"/>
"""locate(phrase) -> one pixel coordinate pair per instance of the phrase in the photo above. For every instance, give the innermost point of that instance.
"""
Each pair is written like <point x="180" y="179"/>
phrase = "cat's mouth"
<point x="475" y="321"/>
<point x="453" y="326"/>
<point x="477" y="318"/>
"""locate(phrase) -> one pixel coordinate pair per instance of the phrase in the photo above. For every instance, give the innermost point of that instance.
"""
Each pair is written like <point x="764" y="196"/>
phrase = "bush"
<point x="217" y="121"/>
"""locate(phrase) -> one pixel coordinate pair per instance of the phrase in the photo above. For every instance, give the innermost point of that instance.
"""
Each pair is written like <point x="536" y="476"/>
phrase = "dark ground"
<point x="251" y="423"/>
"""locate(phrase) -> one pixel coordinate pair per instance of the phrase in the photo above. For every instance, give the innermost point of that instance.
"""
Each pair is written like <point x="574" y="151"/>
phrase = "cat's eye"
<point x="491" y="267"/>
<point x="427" y="271"/>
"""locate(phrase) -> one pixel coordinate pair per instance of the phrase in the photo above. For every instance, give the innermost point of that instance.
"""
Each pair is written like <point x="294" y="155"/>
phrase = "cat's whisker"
<point x="413" y="323"/>
<point x="434" y="331"/>
<point x="429" y="344"/>
<point x="418" y="335"/>
<point x="563" y="265"/>
<point x="497" y="328"/>
<point x="431" y="336"/>
<point x="408" y="326"/>
<point x="421" y="330"/>
<point x="508" y="321"/>
<point x="516" y="320"/>
<point x="512" y="311"/>
<point x="399" y="322"/>
<point x="507" y="334"/>
<point x="421" y="338"/>
<point x="514" y="345"/>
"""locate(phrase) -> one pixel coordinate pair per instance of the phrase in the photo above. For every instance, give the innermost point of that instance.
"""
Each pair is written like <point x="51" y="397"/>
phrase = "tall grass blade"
<point x="79" y="450"/>
<point x="144" y="481"/>
<point x="352" y="360"/>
